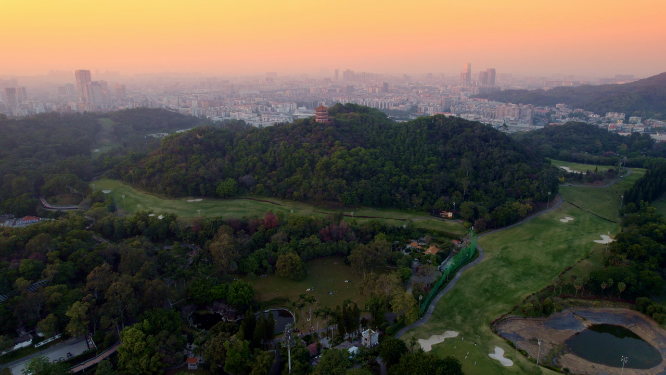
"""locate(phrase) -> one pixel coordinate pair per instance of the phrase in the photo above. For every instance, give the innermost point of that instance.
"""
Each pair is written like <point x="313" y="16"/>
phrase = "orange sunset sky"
<point x="385" y="36"/>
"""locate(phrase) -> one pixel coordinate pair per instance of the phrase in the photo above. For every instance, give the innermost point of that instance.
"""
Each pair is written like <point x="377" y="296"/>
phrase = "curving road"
<point x="424" y="319"/>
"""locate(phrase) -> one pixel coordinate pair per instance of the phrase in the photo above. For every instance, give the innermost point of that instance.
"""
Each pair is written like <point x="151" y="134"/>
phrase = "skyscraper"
<point x="21" y="94"/>
<point x="491" y="76"/>
<point x="12" y="100"/>
<point x="337" y="71"/>
<point x="83" y="77"/>
<point x="466" y="74"/>
<point x="120" y="91"/>
<point x="93" y="93"/>
<point x="483" y="78"/>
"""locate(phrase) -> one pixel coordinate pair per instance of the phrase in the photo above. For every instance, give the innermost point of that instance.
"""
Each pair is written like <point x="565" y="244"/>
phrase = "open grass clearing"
<point x="188" y="207"/>
<point x="518" y="262"/>
<point x="65" y="199"/>
<point x="578" y="167"/>
<point x="604" y="202"/>
<point x="660" y="205"/>
<point x="324" y="276"/>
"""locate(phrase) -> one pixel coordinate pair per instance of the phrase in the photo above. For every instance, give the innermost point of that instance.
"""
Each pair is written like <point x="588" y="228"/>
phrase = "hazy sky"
<point x="596" y="37"/>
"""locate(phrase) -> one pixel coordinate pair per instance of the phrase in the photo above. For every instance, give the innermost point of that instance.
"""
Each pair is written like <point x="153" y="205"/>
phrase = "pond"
<point x="606" y="344"/>
<point x="207" y="321"/>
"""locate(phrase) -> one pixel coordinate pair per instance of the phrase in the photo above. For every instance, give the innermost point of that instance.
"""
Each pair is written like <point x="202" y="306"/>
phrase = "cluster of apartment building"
<point x="265" y="100"/>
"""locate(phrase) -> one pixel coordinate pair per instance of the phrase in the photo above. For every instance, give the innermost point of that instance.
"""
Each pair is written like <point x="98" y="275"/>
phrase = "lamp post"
<point x="621" y="201"/>
<point x="420" y="298"/>
<point x="539" y="352"/>
<point x="624" y="362"/>
<point x="199" y="211"/>
<point x="548" y="204"/>
<point x="124" y="206"/>
<point x="287" y="337"/>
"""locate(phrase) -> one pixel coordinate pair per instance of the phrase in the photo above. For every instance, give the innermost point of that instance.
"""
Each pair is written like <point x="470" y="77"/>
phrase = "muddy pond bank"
<point x="603" y="332"/>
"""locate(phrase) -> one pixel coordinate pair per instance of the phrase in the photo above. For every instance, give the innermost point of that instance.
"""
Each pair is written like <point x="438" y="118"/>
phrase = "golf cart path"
<point x="615" y="181"/>
<point x="476" y="261"/>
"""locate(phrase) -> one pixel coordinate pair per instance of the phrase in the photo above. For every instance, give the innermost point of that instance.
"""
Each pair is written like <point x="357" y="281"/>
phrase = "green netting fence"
<point x="450" y="269"/>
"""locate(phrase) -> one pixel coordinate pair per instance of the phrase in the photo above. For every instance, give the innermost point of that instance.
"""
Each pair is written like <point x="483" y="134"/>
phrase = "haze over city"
<point x="251" y="37"/>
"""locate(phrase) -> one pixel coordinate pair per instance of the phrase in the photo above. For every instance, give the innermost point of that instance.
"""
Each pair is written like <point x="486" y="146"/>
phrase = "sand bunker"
<point x="106" y="191"/>
<point x="436" y="339"/>
<point x="604" y="239"/>
<point x="151" y="215"/>
<point x="160" y="217"/>
<point x="194" y="200"/>
<point x="566" y="219"/>
<point x="499" y="355"/>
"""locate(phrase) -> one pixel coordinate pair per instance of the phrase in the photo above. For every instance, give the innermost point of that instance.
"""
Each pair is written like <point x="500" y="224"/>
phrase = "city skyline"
<point x="601" y="38"/>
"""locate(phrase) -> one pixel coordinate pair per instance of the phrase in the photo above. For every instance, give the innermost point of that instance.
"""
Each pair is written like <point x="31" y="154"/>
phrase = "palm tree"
<point x="556" y="281"/>
<point x="412" y="343"/>
<point x="603" y="287"/>
<point x="585" y="279"/>
<point x="610" y="284"/>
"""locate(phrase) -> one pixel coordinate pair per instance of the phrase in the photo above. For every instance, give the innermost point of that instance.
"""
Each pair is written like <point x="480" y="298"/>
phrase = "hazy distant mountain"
<point x="645" y="98"/>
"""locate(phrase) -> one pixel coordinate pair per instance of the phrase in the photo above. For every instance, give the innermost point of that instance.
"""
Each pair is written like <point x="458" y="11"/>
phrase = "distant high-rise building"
<point x="336" y="74"/>
<point x="12" y="100"/>
<point x="120" y="91"/>
<point x="348" y="89"/>
<point x="93" y="93"/>
<point x="385" y="87"/>
<point x="348" y="75"/>
<point x="83" y="77"/>
<point x="21" y="94"/>
<point x="491" y="76"/>
<point x="466" y="74"/>
<point x="483" y="78"/>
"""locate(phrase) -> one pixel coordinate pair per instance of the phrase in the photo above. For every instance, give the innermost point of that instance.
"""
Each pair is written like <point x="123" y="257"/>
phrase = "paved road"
<point x="75" y="346"/>
<point x="476" y="261"/>
<point x="615" y="181"/>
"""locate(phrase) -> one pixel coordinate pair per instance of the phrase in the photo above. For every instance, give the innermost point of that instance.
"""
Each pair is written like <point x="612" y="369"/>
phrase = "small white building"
<point x="370" y="338"/>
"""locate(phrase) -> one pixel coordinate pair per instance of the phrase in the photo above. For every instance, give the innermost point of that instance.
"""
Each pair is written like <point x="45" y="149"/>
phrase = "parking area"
<point x="53" y="354"/>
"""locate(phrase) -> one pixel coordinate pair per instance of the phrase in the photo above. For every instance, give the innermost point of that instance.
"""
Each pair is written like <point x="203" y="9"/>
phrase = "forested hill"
<point x="360" y="157"/>
<point x="583" y="142"/>
<point x="645" y="97"/>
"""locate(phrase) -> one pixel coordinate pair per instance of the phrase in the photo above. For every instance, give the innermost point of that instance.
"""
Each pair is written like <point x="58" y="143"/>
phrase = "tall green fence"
<point x="457" y="261"/>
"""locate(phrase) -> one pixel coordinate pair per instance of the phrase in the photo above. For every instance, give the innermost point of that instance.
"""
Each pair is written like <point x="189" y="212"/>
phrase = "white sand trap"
<point x="566" y="219"/>
<point x="106" y="191"/>
<point x="499" y="355"/>
<point x="194" y="200"/>
<point x="436" y="339"/>
<point x="160" y="217"/>
<point x="604" y="239"/>
<point x="151" y="215"/>
<point x="567" y="169"/>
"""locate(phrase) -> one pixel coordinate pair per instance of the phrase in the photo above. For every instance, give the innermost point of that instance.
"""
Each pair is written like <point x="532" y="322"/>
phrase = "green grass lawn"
<point x="324" y="275"/>
<point x="65" y="199"/>
<point x="135" y="200"/>
<point x="578" y="167"/>
<point x="660" y="205"/>
<point x="604" y="202"/>
<point x="518" y="262"/>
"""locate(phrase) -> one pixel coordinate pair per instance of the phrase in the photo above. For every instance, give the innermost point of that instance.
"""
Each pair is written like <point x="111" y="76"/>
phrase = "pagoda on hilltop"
<point x="321" y="114"/>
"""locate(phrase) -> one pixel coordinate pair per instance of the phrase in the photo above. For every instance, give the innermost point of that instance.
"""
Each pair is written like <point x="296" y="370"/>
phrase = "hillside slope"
<point x="360" y="157"/>
<point x="645" y="97"/>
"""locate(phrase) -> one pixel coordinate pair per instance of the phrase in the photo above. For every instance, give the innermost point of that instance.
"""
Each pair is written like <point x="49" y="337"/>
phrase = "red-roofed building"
<point x="192" y="363"/>
<point x="312" y="348"/>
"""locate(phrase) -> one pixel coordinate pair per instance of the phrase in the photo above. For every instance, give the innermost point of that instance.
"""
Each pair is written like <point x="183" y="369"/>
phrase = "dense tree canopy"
<point x="360" y="157"/>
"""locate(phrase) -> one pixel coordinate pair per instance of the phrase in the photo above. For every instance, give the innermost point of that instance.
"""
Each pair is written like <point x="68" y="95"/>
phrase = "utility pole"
<point x="287" y="337"/>
<point x="539" y="353"/>
<point x="548" y="205"/>
<point x="124" y="205"/>
<point x="624" y="362"/>
<point x="621" y="201"/>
